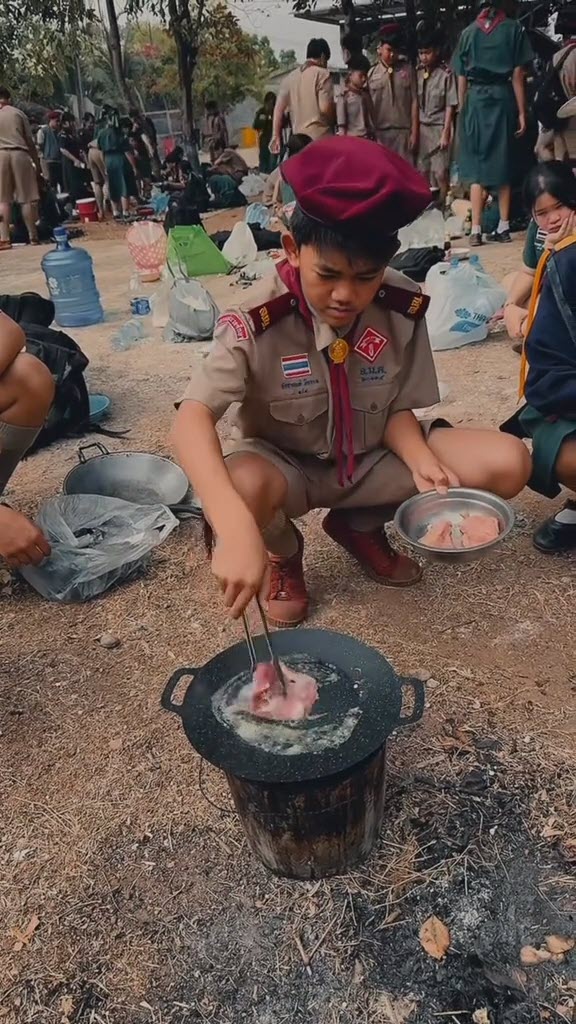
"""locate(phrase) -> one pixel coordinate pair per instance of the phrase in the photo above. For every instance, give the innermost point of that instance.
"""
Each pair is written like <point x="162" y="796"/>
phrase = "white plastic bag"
<point x="427" y="231"/>
<point x="240" y="248"/>
<point x="252" y="185"/>
<point x="96" y="542"/>
<point x="193" y="312"/>
<point x="463" y="298"/>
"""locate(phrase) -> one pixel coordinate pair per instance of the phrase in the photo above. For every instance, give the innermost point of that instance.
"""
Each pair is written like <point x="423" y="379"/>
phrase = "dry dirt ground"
<point x="127" y="898"/>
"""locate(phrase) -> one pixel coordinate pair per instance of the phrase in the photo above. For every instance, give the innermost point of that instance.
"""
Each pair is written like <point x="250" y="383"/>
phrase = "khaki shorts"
<point x="97" y="167"/>
<point x="18" y="181"/>
<point x="381" y="480"/>
<point x="433" y="162"/>
<point x="398" y="140"/>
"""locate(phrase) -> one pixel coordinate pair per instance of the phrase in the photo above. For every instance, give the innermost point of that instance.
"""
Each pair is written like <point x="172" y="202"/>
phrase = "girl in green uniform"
<point x="489" y="62"/>
<point x="114" y="145"/>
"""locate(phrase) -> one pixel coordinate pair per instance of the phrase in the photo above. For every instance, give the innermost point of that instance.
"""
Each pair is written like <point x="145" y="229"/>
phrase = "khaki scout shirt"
<point x="392" y="91"/>
<point x="304" y="89"/>
<point x="281" y="377"/>
<point x="353" y="113"/>
<point x="435" y="93"/>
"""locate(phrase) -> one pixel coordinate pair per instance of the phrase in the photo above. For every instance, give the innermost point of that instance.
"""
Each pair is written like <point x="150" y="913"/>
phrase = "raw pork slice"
<point x="469" y="532"/>
<point x="479" y="529"/>
<point x="268" y="701"/>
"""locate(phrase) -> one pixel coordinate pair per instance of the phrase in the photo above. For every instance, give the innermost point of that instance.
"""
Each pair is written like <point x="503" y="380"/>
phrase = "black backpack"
<point x="70" y="412"/>
<point x="550" y="95"/>
<point x="416" y="263"/>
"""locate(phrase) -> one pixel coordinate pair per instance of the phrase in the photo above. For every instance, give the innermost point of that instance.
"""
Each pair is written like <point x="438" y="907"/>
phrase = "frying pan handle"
<point x="166" y="698"/>
<point x="417" y="687"/>
<point x="93" y="444"/>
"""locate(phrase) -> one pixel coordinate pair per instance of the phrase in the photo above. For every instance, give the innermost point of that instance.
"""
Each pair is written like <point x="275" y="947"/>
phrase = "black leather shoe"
<point x="475" y="240"/>
<point x="553" y="536"/>
<point x="500" y="236"/>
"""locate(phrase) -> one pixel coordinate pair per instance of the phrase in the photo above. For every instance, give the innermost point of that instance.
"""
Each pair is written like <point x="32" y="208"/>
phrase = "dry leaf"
<point x="481" y="1016"/>
<point x="66" y="1008"/>
<point x="23" y="938"/>
<point x="530" y="956"/>
<point x="115" y="744"/>
<point x="388" y="1009"/>
<point x="435" y="937"/>
<point x="557" y="944"/>
<point x="565" y="1011"/>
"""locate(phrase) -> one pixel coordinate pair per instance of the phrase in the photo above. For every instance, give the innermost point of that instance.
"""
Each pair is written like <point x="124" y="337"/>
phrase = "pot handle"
<point x="166" y="698"/>
<point x="93" y="444"/>
<point x="417" y="687"/>
<point x="187" y="511"/>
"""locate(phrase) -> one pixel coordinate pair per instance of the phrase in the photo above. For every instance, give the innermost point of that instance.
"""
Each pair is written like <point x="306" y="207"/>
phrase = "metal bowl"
<point x="418" y="513"/>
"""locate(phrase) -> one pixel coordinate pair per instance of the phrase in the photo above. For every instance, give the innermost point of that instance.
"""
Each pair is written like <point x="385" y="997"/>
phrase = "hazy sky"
<point x="273" y="18"/>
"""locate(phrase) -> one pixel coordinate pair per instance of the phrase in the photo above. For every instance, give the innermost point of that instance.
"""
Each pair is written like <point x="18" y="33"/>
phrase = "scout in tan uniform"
<point x="437" y="102"/>
<point x="307" y="95"/>
<point x="392" y="85"/>
<point x="326" y="371"/>
<point x="26" y="394"/>
<point x="354" y="114"/>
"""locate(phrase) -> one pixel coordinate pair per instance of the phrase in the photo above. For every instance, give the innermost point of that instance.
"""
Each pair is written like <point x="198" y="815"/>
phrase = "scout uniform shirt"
<point x="303" y="90"/>
<point x="393" y="90"/>
<point x="276" y="366"/>
<point x="354" y="113"/>
<point x="436" y="91"/>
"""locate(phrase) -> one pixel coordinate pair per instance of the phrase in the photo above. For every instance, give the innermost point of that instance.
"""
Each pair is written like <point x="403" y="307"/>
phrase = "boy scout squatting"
<point x="327" y="370"/>
<point x="26" y="394"/>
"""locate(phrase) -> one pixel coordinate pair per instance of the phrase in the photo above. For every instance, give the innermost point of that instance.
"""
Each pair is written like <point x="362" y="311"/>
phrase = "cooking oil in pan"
<point x="331" y="723"/>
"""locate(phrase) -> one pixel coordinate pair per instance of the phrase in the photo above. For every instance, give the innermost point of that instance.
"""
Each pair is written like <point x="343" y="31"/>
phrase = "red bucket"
<point x="88" y="210"/>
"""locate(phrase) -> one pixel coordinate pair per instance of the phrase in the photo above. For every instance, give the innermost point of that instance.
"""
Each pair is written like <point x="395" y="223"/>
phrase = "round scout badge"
<point x="338" y="351"/>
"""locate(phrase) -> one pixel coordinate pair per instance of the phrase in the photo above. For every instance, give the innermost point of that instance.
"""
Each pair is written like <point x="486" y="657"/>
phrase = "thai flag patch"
<point x="295" y="366"/>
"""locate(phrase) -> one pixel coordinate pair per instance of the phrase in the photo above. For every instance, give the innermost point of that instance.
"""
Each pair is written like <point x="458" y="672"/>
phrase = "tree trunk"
<point x="114" y="43"/>
<point x="349" y="14"/>
<point x="185" y="35"/>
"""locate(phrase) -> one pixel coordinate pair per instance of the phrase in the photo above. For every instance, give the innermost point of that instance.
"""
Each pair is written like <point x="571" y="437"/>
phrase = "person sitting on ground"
<point x="26" y="394"/>
<point x="327" y="367"/>
<point x="354" y="113"/>
<point x="19" y="169"/>
<point x="548" y="384"/>
<point x="550" y="196"/>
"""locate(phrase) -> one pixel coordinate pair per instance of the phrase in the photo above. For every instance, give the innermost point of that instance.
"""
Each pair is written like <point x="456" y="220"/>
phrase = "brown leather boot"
<point x="287" y="598"/>
<point x="374" y="552"/>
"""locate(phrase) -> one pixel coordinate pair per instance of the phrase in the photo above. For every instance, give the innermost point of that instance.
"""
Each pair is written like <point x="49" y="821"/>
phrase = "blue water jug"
<point x="70" y="278"/>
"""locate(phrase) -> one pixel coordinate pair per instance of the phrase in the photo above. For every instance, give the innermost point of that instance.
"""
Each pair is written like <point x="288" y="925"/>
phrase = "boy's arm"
<point x="239" y="559"/>
<point x="414" y="115"/>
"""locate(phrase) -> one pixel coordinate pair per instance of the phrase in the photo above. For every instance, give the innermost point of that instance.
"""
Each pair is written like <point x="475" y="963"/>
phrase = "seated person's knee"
<point x="30" y="386"/>
<point x="511" y="467"/>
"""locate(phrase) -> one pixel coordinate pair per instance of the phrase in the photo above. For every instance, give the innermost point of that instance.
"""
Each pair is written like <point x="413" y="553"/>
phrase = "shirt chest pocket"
<point x="300" y="423"/>
<point x="370" y="412"/>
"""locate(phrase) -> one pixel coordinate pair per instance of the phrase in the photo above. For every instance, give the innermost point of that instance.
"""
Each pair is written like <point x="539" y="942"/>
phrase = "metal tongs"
<point x="252" y="648"/>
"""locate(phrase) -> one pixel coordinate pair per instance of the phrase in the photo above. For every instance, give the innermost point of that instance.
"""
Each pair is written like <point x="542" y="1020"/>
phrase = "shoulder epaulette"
<point x="270" y="313"/>
<point x="400" y="300"/>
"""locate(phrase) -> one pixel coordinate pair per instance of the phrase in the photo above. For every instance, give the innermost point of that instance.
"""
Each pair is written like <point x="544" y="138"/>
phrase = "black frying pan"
<point x="380" y="696"/>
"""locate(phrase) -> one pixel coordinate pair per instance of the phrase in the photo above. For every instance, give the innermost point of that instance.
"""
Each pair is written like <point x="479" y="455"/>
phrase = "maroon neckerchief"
<point x="343" y="436"/>
<point x="489" y="19"/>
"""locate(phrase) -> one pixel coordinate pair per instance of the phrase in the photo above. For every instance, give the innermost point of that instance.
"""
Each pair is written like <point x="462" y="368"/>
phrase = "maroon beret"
<point x="344" y="181"/>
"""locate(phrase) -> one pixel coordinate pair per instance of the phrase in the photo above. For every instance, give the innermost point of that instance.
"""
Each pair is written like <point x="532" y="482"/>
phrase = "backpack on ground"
<point x="550" y="94"/>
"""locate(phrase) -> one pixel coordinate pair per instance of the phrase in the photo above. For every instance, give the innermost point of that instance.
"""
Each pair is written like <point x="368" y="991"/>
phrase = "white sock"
<point x="566" y="515"/>
<point x="476" y="229"/>
<point x="503" y="225"/>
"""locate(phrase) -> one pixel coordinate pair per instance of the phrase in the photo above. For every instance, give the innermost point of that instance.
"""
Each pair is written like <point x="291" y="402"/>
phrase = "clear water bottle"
<point x="139" y="301"/>
<point x="128" y="336"/>
<point x="70" y="277"/>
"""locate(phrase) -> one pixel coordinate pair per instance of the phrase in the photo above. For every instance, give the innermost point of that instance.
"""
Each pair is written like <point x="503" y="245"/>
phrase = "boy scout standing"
<point x="307" y="95"/>
<point x="437" y="102"/>
<point x="393" y="90"/>
<point x="326" y="369"/>
<point x="354" y="105"/>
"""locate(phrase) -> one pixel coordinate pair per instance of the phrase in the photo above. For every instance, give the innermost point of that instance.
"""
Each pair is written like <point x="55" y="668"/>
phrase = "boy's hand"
<point x="21" y="543"/>
<point x="445" y="139"/>
<point x="430" y="475"/>
<point x="515" y="318"/>
<point x="240" y="563"/>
